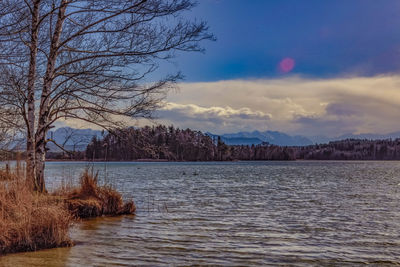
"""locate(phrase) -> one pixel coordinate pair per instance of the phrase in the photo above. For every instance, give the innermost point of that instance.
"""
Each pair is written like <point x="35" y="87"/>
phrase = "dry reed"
<point x="29" y="221"/>
<point x="92" y="200"/>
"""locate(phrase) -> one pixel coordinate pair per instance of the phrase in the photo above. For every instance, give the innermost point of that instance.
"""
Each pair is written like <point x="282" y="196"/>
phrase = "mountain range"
<point x="271" y="137"/>
<point x="71" y="139"/>
<point x="282" y="139"/>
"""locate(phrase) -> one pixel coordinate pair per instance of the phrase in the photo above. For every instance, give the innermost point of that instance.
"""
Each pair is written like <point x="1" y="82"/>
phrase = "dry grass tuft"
<point x="92" y="200"/>
<point x="29" y="221"/>
<point x="7" y="175"/>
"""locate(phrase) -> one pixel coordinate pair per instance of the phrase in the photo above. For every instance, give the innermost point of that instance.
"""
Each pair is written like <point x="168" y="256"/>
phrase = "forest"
<point x="174" y="144"/>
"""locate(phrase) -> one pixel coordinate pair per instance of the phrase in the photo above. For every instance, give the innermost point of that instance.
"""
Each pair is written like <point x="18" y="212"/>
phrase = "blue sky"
<point x="327" y="38"/>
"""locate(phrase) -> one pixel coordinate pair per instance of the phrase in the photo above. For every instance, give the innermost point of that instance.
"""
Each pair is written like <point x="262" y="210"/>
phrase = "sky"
<point x="307" y="67"/>
<point x="325" y="39"/>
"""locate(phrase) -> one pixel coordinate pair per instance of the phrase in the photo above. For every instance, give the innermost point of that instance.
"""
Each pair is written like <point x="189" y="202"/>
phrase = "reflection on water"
<point x="244" y="213"/>
<point x="48" y="257"/>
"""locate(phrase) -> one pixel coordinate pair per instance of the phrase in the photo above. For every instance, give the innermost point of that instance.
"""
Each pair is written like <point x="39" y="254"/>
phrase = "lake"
<point x="236" y="213"/>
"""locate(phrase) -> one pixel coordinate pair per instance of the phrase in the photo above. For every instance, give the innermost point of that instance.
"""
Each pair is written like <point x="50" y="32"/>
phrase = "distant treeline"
<point x="352" y="149"/>
<point x="174" y="144"/>
<point x="10" y="155"/>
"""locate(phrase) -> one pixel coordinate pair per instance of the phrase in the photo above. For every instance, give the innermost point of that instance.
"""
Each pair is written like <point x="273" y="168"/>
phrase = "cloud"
<point x="218" y="112"/>
<point x="296" y="105"/>
<point x="195" y="116"/>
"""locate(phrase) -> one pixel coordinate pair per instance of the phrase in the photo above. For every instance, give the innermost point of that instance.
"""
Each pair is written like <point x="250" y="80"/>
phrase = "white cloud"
<point x="227" y="112"/>
<point x="194" y="116"/>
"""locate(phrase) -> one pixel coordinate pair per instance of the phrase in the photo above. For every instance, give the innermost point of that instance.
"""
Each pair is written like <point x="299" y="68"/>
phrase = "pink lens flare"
<point x="286" y="65"/>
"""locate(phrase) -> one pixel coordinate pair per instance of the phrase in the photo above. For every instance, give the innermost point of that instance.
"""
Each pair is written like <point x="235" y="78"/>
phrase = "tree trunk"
<point x="43" y="127"/>
<point x="40" y="160"/>
<point x="30" y="162"/>
<point x="30" y="140"/>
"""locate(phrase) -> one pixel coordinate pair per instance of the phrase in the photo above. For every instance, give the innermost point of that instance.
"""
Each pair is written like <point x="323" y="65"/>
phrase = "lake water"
<point x="237" y="213"/>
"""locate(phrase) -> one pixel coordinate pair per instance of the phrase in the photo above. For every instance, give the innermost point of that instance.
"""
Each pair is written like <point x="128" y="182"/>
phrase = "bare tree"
<point x="69" y="140"/>
<point x="11" y="130"/>
<point x="87" y="60"/>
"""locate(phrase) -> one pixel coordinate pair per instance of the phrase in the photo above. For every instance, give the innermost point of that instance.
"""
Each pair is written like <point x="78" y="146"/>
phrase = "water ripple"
<point x="243" y="213"/>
